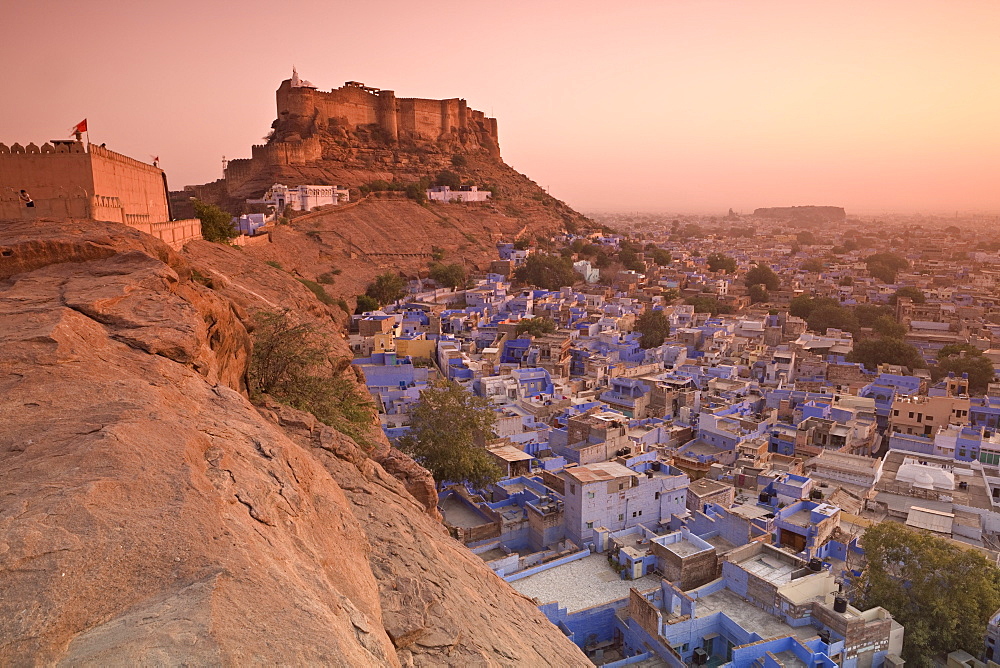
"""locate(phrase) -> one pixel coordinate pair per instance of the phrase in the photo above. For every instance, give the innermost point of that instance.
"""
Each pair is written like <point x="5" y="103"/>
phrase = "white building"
<point x="463" y="194"/>
<point x="301" y="198"/>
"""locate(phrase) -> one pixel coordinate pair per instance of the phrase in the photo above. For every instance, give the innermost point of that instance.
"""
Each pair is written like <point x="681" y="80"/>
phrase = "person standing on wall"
<point x="26" y="198"/>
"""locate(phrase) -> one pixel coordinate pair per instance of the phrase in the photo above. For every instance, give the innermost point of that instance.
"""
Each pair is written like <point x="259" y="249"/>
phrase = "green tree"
<point x="448" y="428"/>
<point x="762" y="275"/>
<point x="828" y="315"/>
<point x="448" y="178"/>
<point x="942" y="595"/>
<point x="366" y="304"/>
<point x="661" y="257"/>
<point x="448" y="275"/>
<point x="959" y="358"/>
<point x="803" y="305"/>
<point x="910" y="292"/>
<point x="459" y="160"/>
<point x="812" y="265"/>
<point x="535" y="326"/>
<point x="630" y="260"/>
<point x="386" y="288"/>
<point x="216" y="224"/>
<point x="885" y="266"/>
<point x="289" y="361"/>
<point x="889" y="328"/>
<point x="883" y="350"/>
<point x="846" y="281"/>
<point x="805" y="238"/>
<point x="706" y="304"/>
<point x="758" y="294"/>
<point x="546" y="271"/>
<point x="720" y="262"/>
<point x="654" y="327"/>
<point x="869" y="314"/>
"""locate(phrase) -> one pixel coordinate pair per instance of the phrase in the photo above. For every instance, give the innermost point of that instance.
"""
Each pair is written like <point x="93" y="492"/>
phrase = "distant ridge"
<point x="803" y="214"/>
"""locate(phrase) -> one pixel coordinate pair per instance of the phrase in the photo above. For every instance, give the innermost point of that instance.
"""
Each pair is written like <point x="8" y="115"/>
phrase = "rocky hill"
<point x="150" y="514"/>
<point x="348" y="137"/>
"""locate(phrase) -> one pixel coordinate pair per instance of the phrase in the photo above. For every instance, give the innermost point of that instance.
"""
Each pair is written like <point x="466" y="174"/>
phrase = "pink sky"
<point x="677" y="106"/>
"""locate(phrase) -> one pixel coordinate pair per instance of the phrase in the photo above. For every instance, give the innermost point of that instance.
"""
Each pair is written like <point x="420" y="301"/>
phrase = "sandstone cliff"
<point x="149" y="514"/>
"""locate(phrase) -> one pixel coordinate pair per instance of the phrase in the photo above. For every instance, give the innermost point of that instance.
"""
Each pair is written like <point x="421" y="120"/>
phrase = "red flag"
<point x="79" y="127"/>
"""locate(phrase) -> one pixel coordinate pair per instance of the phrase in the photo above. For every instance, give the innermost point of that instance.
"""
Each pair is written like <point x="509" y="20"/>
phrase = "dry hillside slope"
<point x="149" y="514"/>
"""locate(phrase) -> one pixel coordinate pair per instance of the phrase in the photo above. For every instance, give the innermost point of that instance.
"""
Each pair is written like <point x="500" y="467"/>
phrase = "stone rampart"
<point x="352" y="105"/>
<point x="70" y="181"/>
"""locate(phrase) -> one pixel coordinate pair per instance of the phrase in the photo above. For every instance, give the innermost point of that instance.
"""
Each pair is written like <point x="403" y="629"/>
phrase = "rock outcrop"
<point x="150" y="514"/>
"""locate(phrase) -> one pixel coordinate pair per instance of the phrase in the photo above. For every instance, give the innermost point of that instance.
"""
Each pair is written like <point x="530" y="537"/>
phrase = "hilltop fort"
<point x="357" y="127"/>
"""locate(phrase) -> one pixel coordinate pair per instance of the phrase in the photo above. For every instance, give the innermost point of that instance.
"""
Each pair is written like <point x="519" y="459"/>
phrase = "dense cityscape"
<point x="698" y="419"/>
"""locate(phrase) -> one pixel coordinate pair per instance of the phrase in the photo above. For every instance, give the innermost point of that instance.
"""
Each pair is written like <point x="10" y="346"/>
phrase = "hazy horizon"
<point x="668" y="106"/>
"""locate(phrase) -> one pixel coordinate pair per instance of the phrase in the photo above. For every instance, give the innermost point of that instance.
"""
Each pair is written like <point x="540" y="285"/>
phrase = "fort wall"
<point x="140" y="188"/>
<point x="65" y="181"/>
<point x="353" y="105"/>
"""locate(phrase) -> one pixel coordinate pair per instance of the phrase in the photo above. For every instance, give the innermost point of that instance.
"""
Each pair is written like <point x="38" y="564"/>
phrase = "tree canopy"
<point x="812" y="265"/>
<point x="536" y="326"/>
<point x="941" y="594"/>
<point x="910" y="292"/>
<point x="720" y="262"/>
<point x="654" y="327"/>
<point x="661" y="257"/>
<point x="872" y="352"/>
<point x="448" y="429"/>
<point x="289" y="361"/>
<point x="884" y="266"/>
<point x="546" y="271"/>
<point x="365" y="304"/>
<point x="803" y="305"/>
<point x="448" y="178"/>
<point x="758" y="293"/>
<point x="762" y="275"/>
<point x="387" y="288"/>
<point x="448" y="275"/>
<point x="828" y="315"/>
<point x="707" y="304"/>
<point x="888" y="327"/>
<point x="216" y="224"/>
<point x="965" y="358"/>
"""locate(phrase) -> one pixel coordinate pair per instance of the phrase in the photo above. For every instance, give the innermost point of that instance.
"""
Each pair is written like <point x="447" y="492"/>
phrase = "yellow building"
<point x="924" y="415"/>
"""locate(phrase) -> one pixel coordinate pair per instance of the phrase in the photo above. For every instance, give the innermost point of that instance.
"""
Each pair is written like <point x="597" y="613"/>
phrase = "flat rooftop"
<point x="748" y="616"/>
<point x="581" y="584"/>
<point x="460" y="514"/>
<point x="769" y="567"/>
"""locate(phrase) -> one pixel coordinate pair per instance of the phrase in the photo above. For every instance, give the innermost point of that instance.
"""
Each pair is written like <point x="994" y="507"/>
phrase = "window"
<point x="640" y="513"/>
<point x="633" y="514"/>
<point x="621" y="518"/>
<point x="572" y="489"/>
<point x="590" y="495"/>
<point x="656" y="496"/>
<point x="621" y="486"/>
<point x="590" y="525"/>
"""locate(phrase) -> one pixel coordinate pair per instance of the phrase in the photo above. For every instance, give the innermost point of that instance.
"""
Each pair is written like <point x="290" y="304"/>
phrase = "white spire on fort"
<point x="299" y="83"/>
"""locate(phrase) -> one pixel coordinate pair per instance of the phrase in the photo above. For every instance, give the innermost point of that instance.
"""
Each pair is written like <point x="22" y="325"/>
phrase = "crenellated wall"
<point x="69" y="180"/>
<point x="353" y="105"/>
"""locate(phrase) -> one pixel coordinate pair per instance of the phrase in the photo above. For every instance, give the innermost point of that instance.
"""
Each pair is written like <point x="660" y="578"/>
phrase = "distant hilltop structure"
<point x="354" y="123"/>
<point x="803" y="214"/>
<point x="68" y="179"/>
